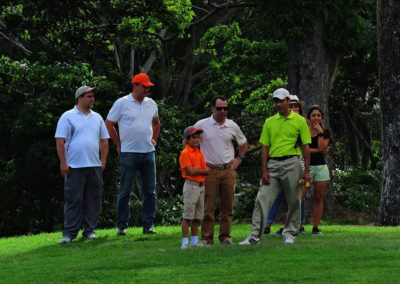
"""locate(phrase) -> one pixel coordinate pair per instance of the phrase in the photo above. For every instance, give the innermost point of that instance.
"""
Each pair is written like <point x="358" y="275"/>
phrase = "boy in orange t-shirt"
<point x="194" y="170"/>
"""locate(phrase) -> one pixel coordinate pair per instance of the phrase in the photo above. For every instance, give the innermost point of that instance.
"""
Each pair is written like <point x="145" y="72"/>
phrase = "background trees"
<point x="323" y="51"/>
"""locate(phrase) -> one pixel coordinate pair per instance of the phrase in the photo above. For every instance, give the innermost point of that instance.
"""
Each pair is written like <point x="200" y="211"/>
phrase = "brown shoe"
<point x="227" y="241"/>
<point x="204" y="243"/>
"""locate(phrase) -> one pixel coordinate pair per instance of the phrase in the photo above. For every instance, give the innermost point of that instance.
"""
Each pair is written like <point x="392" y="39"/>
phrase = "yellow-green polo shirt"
<point x="280" y="134"/>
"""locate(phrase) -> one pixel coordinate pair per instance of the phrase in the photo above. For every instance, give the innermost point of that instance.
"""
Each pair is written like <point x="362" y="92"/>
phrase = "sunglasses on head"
<point x="221" y="108"/>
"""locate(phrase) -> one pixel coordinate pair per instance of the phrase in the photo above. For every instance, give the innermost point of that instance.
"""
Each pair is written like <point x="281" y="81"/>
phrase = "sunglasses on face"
<point x="221" y="108"/>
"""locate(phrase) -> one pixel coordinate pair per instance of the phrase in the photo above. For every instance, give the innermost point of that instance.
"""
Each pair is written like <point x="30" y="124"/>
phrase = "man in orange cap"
<point x="139" y="127"/>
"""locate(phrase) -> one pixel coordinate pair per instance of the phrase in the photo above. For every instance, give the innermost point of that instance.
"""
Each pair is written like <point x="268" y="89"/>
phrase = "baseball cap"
<point x="281" y="94"/>
<point x="295" y="100"/>
<point x="84" y="89"/>
<point x="190" y="130"/>
<point x="142" y="79"/>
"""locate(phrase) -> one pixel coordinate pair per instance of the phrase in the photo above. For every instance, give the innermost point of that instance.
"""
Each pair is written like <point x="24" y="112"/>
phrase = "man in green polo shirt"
<point x="281" y="167"/>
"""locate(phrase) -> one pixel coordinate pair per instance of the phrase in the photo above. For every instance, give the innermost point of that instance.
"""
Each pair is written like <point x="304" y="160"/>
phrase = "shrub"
<point x="168" y="212"/>
<point x="358" y="190"/>
<point x="244" y="208"/>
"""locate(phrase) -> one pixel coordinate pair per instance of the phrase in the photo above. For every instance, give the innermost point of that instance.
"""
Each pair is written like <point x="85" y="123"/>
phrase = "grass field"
<point x="344" y="254"/>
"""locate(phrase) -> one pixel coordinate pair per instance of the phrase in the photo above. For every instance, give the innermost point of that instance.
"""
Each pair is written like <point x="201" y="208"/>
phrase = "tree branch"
<point x="16" y="43"/>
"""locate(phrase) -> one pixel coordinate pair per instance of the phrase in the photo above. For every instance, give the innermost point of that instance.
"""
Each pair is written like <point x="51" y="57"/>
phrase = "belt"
<point x="219" y="166"/>
<point x="281" y="158"/>
<point x="194" y="182"/>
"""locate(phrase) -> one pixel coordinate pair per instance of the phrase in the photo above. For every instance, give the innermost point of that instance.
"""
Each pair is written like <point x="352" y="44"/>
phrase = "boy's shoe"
<point x="65" y="240"/>
<point x="203" y="243"/>
<point x="149" y="231"/>
<point x="302" y="231"/>
<point x="279" y="233"/>
<point x="267" y="230"/>
<point x="91" y="236"/>
<point x="227" y="241"/>
<point x="121" y="232"/>
<point x="316" y="231"/>
<point x="250" y="240"/>
<point x="289" y="241"/>
<point x="185" y="246"/>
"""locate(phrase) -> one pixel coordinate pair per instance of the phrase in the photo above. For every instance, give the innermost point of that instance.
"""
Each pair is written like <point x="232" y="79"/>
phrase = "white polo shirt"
<point x="135" y="123"/>
<point x="216" y="140"/>
<point x="82" y="134"/>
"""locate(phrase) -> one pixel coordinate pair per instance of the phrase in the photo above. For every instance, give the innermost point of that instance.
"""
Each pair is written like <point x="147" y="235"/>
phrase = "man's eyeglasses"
<point x="221" y="108"/>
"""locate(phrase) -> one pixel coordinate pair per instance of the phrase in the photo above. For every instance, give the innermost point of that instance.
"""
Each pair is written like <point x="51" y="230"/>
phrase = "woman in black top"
<point x="318" y="168"/>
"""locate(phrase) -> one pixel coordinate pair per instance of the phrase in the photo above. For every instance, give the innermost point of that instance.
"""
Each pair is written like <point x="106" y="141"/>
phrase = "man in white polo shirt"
<point x="219" y="154"/>
<point x="81" y="136"/>
<point x="139" y="127"/>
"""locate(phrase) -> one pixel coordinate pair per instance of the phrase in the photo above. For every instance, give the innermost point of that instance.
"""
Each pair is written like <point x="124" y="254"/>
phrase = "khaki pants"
<point x="222" y="183"/>
<point x="284" y="174"/>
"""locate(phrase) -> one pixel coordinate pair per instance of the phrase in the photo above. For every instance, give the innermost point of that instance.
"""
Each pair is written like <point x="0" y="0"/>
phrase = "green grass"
<point x="344" y="254"/>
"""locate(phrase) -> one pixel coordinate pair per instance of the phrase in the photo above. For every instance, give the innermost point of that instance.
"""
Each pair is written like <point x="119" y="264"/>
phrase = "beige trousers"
<point x="284" y="174"/>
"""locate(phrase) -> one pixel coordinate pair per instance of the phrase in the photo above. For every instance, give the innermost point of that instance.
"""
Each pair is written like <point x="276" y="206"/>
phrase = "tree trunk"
<point x="311" y="72"/>
<point x="389" y="82"/>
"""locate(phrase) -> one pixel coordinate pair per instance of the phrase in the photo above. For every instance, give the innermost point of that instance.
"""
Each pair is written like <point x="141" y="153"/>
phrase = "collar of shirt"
<point x="132" y="99"/>
<point x="213" y="121"/>
<point x="78" y="112"/>
<point x="191" y="149"/>
<point x="291" y="115"/>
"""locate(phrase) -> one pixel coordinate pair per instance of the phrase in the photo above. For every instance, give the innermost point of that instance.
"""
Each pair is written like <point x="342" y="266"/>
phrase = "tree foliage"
<point x="192" y="50"/>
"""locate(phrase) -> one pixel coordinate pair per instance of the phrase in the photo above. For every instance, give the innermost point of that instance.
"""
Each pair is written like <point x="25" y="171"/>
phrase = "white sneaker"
<point x="185" y="246"/>
<point x="121" y="232"/>
<point x="250" y="240"/>
<point x="289" y="241"/>
<point x="65" y="240"/>
<point x="91" y="236"/>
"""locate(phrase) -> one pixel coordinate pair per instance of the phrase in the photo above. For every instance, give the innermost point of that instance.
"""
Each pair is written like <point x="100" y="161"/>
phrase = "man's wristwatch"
<point x="241" y="157"/>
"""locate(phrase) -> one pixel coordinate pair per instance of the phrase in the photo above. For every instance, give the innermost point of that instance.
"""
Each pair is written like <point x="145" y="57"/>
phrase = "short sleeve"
<point x="304" y="132"/>
<point x="239" y="136"/>
<point x="62" y="128"/>
<point x="265" y="135"/>
<point x="184" y="160"/>
<point x="103" y="129"/>
<point x="115" y="112"/>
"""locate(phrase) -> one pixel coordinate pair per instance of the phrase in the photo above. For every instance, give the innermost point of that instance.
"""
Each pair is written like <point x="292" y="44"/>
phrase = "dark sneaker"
<point x="279" y="233"/>
<point x="267" y="230"/>
<point x="316" y="231"/>
<point x="121" y="232"/>
<point x="302" y="231"/>
<point x="149" y="231"/>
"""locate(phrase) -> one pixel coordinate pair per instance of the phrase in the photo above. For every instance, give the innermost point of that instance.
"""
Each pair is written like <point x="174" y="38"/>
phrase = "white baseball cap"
<point x="281" y="94"/>
<point x="295" y="100"/>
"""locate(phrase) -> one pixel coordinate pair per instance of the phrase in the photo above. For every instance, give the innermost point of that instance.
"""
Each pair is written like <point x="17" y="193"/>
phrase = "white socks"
<point x="194" y="240"/>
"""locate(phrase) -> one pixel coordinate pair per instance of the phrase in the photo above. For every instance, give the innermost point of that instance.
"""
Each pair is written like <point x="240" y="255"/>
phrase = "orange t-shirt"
<point x="192" y="157"/>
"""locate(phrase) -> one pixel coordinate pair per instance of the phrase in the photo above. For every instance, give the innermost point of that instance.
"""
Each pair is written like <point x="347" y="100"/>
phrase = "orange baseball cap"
<point x="142" y="79"/>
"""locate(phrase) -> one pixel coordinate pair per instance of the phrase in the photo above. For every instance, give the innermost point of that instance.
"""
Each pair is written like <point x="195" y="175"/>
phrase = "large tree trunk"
<point x="312" y="67"/>
<point x="389" y="79"/>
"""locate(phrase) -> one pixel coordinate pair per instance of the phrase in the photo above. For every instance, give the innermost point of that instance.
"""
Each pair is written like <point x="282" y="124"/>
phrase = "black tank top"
<point x="316" y="158"/>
